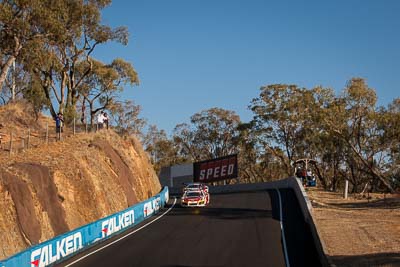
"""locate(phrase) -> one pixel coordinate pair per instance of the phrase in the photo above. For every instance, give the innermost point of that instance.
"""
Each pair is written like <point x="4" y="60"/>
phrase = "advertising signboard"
<point x="215" y="169"/>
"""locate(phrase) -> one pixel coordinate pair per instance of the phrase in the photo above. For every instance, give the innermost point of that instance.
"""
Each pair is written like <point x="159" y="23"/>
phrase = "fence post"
<point x="85" y="127"/>
<point x="74" y="125"/>
<point x="11" y="142"/>
<point x="47" y="133"/>
<point x="29" y="138"/>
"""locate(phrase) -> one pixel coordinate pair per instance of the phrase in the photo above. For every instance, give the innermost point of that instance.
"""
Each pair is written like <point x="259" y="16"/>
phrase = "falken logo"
<point x="51" y="253"/>
<point x="150" y="207"/>
<point x="117" y="223"/>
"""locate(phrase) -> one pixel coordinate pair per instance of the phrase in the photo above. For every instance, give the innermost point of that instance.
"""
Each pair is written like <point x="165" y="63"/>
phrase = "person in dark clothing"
<point x="105" y="119"/>
<point x="59" y="124"/>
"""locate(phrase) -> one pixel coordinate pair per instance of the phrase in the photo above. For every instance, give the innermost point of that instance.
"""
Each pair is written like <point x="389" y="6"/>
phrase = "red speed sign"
<point x="216" y="169"/>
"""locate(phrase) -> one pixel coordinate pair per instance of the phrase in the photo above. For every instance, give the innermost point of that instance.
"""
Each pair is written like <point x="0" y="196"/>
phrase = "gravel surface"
<point x="363" y="230"/>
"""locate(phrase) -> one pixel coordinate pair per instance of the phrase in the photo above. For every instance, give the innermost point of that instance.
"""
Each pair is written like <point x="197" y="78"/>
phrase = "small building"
<point x="176" y="175"/>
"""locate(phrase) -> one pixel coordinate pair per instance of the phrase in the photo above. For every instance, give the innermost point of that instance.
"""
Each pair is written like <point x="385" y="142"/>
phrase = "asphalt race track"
<point x="236" y="229"/>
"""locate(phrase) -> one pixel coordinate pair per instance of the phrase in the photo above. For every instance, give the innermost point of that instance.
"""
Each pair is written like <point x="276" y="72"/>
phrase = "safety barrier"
<point x="68" y="244"/>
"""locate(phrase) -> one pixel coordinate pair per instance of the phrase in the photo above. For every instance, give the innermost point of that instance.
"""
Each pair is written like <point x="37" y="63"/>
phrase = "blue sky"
<point x="193" y="55"/>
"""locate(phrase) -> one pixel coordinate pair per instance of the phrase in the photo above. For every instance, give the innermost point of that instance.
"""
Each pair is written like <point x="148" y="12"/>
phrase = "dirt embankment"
<point x="359" y="231"/>
<point x="54" y="188"/>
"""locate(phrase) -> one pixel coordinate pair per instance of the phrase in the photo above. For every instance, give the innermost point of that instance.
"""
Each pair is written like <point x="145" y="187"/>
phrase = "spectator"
<point x="304" y="177"/>
<point x="105" y="119"/>
<point x="59" y="124"/>
<point x="100" y="120"/>
<point x="298" y="172"/>
<point x="309" y="173"/>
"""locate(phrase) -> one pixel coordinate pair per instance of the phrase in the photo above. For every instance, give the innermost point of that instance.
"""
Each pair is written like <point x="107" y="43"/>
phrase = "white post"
<point x="13" y="81"/>
<point x="346" y="189"/>
<point x="74" y="125"/>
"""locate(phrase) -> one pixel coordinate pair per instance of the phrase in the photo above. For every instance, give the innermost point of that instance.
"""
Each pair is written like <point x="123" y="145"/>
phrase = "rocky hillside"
<point x="48" y="189"/>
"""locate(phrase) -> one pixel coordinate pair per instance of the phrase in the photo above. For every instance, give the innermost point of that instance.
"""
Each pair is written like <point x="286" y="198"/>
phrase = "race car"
<point x="197" y="198"/>
<point x="195" y="187"/>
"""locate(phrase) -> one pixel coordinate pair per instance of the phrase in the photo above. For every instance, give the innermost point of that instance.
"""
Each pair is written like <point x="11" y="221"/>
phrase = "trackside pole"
<point x="346" y="188"/>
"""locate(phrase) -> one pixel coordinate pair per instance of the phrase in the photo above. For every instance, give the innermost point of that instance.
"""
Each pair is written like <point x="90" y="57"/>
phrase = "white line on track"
<point x="122" y="237"/>
<point x="283" y="229"/>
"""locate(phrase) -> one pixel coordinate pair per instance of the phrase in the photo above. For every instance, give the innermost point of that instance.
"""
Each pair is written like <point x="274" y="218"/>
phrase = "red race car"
<point x="198" y="198"/>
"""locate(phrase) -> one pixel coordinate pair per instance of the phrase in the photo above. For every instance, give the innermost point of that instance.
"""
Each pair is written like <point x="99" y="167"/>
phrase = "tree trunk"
<point x="373" y="170"/>
<point x="5" y="70"/>
<point x="320" y="178"/>
<point x="9" y="62"/>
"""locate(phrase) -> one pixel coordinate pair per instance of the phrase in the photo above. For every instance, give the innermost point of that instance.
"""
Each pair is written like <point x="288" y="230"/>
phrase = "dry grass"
<point x="359" y="231"/>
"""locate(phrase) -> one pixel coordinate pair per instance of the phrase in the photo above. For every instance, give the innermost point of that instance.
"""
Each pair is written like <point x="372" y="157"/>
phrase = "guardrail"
<point x="64" y="246"/>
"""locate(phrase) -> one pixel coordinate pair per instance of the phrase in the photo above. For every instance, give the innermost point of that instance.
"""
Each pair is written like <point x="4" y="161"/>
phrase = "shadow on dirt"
<point x="385" y="203"/>
<point x="378" y="259"/>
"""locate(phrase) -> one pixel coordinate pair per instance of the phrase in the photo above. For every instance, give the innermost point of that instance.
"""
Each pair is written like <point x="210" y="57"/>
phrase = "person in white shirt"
<point x="105" y="120"/>
<point x="100" y="120"/>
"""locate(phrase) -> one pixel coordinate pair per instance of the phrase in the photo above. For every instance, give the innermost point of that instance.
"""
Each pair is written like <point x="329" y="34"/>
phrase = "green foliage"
<point x="125" y="117"/>
<point x="213" y="133"/>
<point x="347" y="135"/>
<point x="54" y="42"/>
<point x="35" y="96"/>
<point x="162" y="151"/>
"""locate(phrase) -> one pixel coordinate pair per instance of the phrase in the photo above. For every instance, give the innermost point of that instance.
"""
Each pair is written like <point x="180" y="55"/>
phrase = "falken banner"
<point x="216" y="169"/>
<point x="61" y="247"/>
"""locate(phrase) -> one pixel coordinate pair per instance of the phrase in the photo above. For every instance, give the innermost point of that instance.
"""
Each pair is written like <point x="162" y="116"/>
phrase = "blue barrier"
<point x="65" y="245"/>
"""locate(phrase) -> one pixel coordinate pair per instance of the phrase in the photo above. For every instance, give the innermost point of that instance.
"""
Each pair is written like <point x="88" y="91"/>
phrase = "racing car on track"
<point x="197" y="198"/>
<point x="195" y="187"/>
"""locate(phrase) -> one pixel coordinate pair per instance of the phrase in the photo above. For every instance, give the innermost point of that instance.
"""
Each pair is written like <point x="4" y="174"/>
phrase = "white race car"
<point x="195" y="187"/>
<point x="197" y="198"/>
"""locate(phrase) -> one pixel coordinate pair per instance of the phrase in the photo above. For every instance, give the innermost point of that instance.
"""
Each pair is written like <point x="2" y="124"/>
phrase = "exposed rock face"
<point x="28" y="225"/>
<point x="51" y="189"/>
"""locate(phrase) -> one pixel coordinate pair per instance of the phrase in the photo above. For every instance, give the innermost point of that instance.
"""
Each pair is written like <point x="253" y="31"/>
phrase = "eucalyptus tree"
<point x="287" y="123"/>
<point x="280" y="114"/>
<point x="162" y="150"/>
<point x="353" y="118"/>
<point x="21" y="23"/>
<point x="212" y="133"/>
<point x="256" y="164"/>
<point x="100" y="88"/>
<point x="126" y="118"/>
<point x="76" y="31"/>
<point x="389" y="127"/>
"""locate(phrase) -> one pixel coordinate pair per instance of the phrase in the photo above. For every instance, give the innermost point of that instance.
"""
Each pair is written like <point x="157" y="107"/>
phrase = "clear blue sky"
<point x="192" y="55"/>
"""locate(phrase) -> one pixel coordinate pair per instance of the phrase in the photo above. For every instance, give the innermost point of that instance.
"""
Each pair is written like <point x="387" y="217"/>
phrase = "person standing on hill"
<point x="59" y="124"/>
<point x="100" y="120"/>
<point x="105" y="119"/>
